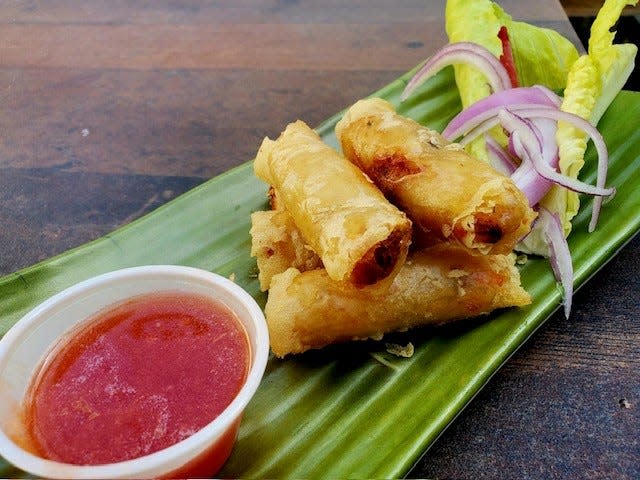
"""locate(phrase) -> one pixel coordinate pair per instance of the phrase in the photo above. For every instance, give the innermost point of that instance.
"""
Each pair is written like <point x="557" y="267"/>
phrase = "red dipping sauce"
<point x="137" y="378"/>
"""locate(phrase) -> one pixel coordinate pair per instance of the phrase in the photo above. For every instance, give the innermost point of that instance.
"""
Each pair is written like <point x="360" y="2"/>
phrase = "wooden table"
<point x="109" y="109"/>
<point x="589" y="8"/>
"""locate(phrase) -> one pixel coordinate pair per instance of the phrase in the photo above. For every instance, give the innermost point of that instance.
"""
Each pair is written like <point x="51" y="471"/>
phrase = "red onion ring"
<point x="530" y="115"/>
<point x="560" y="255"/>
<point x="467" y="53"/>
<point x="536" y="111"/>
<point x="499" y="157"/>
<point x="531" y="183"/>
<point x="515" y="123"/>
<point x="598" y="142"/>
<point x="489" y="106"/>
<point x="526" y="177"/>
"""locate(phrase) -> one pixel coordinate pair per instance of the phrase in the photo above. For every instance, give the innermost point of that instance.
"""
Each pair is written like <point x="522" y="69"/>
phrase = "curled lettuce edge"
<point x="593" y="82"/>
<point x="590" y="82"/>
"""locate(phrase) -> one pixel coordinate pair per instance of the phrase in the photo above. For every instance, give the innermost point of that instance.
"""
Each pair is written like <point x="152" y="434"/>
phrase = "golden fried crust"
<point x="308" y="310"/>
<point x="277" y="245"/>
<point x="449" y="195"/>
<point x="359" y="235"/>
<point x="333" y="252"/>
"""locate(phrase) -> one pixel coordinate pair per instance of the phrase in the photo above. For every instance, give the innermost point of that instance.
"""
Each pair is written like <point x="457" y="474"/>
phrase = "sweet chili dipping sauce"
<point x="137" y="378"/>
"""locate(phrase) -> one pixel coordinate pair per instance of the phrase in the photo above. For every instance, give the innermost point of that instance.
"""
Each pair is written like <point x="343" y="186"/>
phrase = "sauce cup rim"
<point x="160" y="462"/>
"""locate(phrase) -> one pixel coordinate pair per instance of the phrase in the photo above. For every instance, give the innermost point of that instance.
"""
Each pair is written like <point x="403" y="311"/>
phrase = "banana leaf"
<point x="351" y="410"/>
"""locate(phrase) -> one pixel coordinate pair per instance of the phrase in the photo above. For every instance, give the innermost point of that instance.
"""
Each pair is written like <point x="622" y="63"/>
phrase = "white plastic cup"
<point x="23" y="348"/>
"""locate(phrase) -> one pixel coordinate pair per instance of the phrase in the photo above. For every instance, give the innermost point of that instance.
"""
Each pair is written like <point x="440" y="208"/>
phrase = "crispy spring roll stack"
<point x="277" y="245"/>
<point x="359" y="235"/>
<point x="308" y="310"/>
<point x="448" y="194"/>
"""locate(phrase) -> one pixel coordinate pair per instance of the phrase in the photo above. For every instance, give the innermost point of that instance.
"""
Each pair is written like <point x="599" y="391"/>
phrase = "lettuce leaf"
<point x="593" y="82"/>
<point x="542" y="56"/>
<point x="479" y="22"/>
<point x="615" y="62"/>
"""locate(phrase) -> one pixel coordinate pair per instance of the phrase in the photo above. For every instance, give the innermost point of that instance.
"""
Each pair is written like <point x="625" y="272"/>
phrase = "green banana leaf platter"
<point x="350" y="410"/>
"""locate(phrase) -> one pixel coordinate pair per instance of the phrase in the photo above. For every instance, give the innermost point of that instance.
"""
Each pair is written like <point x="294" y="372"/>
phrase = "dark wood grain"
<point x="567" y="404"/>
<point x="589" y="8"/>
<point x="110" y="109"/>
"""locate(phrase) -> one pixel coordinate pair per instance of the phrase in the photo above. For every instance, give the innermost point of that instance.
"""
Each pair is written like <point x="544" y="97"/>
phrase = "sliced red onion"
<point x="481" y="128"/>
<point x="537" y="134"/>
<point x="551" y="95"/>
<point x="499" y="157"/>
<point x="467" y="53"/>
<point x="531" y="183"/>
<point x="598" y="142"/>
<point x="560" y="256"/>
<point x="512" y="123"/>
<point x="572" y="184"/>
<point x="516" y="98"/>
<point x="526" y="177"/>
<point x="545" y="130"/>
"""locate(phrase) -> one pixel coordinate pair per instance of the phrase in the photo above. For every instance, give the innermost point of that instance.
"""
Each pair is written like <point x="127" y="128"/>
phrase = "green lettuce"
<point x="542" y="56"/>
<point x="614" y="62"/>
<point x="593" y="82"/>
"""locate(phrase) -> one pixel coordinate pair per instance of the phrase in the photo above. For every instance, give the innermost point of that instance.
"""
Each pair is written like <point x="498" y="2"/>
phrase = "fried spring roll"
<point x="308" y="310"/>
<point x="448" y="194"/>
<point x="360" y="236"/>
<point x="277" y="245"/>
<point x="274" y="203"/>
